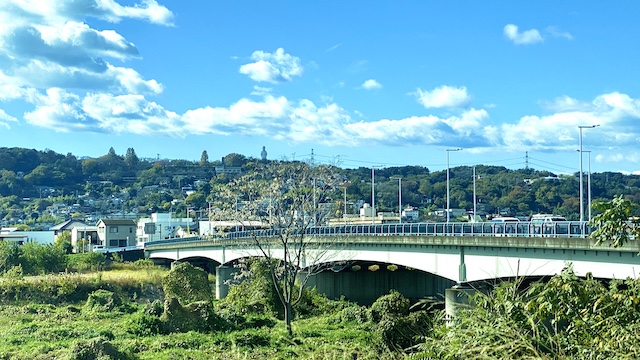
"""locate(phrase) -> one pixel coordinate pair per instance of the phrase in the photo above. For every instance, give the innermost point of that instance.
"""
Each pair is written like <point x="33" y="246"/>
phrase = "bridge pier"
<point x="456" y="298"/>
<point x="223" y="275"/>
<point x="462" y="268"/>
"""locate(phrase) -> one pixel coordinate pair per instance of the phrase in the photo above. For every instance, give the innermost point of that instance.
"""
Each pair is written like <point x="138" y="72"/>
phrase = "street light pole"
<point x="448" y="199"/>
<point x="474" y="194"/>
<point x="399" y="198"/>
<point x="580" y="127"/>
<point x="373" y="195"/>
<point x="589" y="183"/>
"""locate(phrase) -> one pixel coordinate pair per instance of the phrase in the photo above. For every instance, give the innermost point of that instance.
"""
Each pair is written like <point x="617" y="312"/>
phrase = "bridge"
<point x="420" y="259"/>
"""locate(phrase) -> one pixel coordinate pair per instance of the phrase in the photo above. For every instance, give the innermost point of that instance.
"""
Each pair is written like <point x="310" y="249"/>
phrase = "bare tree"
<point x="288" y="199"/>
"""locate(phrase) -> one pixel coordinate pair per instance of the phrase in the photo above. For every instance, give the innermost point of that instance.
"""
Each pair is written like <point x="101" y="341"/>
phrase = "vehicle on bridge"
<point x="505" y="226"/>
<point x="546" y="218"/>
<point x="547" y="224"/>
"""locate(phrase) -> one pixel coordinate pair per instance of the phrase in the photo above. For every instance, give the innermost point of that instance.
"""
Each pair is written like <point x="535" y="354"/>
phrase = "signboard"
<point x="150" y="228"/>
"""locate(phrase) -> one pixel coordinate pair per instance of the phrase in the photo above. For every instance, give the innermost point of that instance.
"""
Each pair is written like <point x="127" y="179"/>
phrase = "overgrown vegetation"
<point x="564" y="318"/>
<point x="130" y="311"/>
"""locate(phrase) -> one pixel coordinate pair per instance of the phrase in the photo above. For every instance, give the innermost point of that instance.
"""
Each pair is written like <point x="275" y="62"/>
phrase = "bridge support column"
<point x="462" y="268"/>
<point x="175" y="263"/>
<point x="223" y="274"/>
<point x="457" y="298"/>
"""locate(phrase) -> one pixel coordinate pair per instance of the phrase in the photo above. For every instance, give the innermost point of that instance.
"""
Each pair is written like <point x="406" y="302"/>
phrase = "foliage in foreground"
<point x="565" y="318"/>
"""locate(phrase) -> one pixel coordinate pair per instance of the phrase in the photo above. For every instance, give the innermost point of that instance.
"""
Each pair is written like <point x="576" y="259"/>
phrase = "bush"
<point x="354" y="313"/>
<point x="197" y="316"/>
<point x="402" y="332"/>
<point x="391" y="304"/>
<point x="250" y="339"/>
<point x="187" y="284"/>
<point x="102" y="300"/>
<point x="42" y="259"/>
<point x="96" y="348"/>
<point x="87" y="261"/>
<point x="254" y="292"/>
<point x="143" y="324"/>
<point x="155" y="308"/>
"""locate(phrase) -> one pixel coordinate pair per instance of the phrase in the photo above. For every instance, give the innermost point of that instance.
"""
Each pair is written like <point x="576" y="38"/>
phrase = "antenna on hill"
<point x="526" y="160"/>
<point x="312" y="158"/>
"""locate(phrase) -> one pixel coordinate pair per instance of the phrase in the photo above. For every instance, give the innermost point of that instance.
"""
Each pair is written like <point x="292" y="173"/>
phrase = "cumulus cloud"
<point x="527" y="37"/>
<point x="274" y="67"/>
<point x="443" y="97"/>
<point x="371" y="84"/>
<point x="47" y="45"/>
<point x="108" y="10"/>
<point x="63" y="111"/>
<point x="617" y="113"/>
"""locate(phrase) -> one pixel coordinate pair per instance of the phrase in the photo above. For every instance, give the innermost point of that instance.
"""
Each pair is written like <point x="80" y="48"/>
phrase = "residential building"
<point x="116" y="233"/>
<point x="160" y="226"/>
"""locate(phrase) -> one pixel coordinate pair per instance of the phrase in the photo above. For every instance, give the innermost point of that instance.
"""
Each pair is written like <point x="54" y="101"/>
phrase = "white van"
<point x="545" y="218"/>
<point x="504" y="220"/>
<point x="505" y="226"/>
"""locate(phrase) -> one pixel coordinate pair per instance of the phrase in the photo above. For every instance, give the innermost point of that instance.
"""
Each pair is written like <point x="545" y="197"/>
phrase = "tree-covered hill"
<point x="32" y="181"/>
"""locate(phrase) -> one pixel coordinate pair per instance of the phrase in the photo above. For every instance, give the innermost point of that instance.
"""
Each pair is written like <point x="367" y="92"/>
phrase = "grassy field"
<point x="49" y="317"/>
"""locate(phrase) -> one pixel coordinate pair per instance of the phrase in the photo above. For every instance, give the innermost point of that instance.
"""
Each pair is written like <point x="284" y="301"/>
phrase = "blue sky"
<point x="362" y="83"/>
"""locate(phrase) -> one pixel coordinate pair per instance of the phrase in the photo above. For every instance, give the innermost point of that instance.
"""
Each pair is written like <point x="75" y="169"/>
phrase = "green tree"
<point x="10" y="253"/>
<point x="204" y="158"/>
<point x="41" y="259"/>
<point x="197" y="200"/>
<point x="616" y="223"/>
<point x="131" y="159"/>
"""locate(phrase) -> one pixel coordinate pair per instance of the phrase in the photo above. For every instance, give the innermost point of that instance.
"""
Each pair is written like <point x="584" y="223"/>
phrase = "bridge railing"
<point x="523" y="229"/>
<point x="559" y="229"/>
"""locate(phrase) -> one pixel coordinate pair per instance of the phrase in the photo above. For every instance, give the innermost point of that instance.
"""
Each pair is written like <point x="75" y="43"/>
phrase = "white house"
<point x="160" y="226"/>
<point x="411" y="213"/>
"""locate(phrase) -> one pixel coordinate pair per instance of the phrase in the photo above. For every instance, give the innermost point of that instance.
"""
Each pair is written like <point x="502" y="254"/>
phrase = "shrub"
<point x="96" y="348"/>
<point x="41" y="259"/>
<point x="393" y="303"/>
<point x="254" y="293"/>
<point x="187" y="284"/>
<point x="354" y="313"/>
<point x="155" y="308"/>
<point x="402" y="332"/>
<point x="143" y="324"/>
<point x="102" y="300"/>
<point x="87" y="261"/>
<point x="197" y="316"/>
<point x="250" y="339"/>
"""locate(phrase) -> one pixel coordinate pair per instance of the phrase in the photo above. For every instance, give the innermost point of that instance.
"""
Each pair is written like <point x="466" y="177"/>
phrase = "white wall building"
<point x="160" y="226"/>
<point x="23" y="237"/>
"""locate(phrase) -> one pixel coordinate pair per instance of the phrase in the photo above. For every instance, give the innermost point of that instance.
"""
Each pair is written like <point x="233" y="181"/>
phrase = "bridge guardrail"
<point x="560" y="229"/>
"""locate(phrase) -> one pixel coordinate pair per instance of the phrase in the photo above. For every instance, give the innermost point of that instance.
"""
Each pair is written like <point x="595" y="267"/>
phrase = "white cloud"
<point x="444" y="97"/>
<point x="109" y="10"/>
<point x="272" y="67"/>
<point x="47" y="44"/>
<point x="5" y="119"/>
<point x="333" y="47"/>
<point x="64" y="111"/>
<point x="531" y="36"/>
<point x="617" y="113"/>
<point x="261" y="91"/>
<point x="371" y="84"/>
<point x="556" y="32"/>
